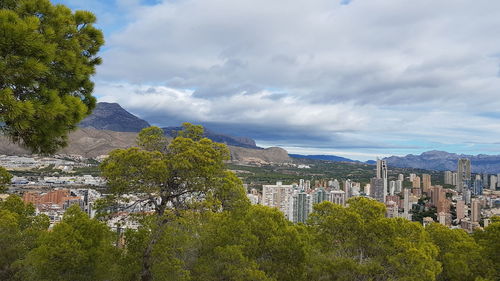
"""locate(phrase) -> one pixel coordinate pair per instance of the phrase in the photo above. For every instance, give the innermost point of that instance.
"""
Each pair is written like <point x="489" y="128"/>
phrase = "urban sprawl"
<point x="468" y="203"/>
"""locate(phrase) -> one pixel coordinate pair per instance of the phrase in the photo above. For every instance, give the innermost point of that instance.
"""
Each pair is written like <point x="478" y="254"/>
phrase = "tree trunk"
<point x="146" y="274"/>
<point x="147" y="258"/>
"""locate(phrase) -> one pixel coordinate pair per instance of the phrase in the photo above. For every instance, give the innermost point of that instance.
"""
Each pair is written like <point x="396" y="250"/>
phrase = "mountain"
<point x="444" y="161"/>
<point x="91" y="143"/>
<point x="112" y="117"/>
<point x="331" y="158"/>
<point x="86" y="142"/>
<point x="269" y="155"/>
<point x="229" y="140"/>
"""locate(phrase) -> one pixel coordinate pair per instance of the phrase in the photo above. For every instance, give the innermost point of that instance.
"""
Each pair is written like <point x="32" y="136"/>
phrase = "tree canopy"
<point x="173" y="179"/>
<point x="47" y="55"/>
<point x="5" y="178"/>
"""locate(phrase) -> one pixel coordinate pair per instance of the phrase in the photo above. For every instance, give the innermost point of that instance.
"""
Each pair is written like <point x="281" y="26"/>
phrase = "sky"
<point x="358" y="79"/>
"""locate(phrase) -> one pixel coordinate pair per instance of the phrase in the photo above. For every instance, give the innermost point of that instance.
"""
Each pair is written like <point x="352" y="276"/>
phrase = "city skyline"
<point x="358" y="79"/>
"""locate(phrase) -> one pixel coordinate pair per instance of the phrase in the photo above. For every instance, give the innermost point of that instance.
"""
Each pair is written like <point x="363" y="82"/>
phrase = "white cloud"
<point x="374" y="73"/>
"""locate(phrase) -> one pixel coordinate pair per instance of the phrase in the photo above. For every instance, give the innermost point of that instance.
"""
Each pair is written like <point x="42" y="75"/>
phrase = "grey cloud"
<point x="308" y="72"/>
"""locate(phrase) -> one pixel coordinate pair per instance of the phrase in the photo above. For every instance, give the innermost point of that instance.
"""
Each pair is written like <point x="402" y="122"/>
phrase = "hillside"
<point x="91" y="143"/>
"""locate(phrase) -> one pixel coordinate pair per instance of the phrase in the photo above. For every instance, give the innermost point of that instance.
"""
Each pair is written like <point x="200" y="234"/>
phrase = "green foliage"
<point x="152" y="139"/>
<point x="190" y="131"/>
<point x="19" y="230"/>
<point x="358" y="243"/>
<point x="270" y="246"/>
<point x="48" y="55"/>
<point x="5" y="178"/>
<point x="459" y="254"/>
<point x="489" y="241"/>
<point x="78" y="248"/>
<point x="189" y="174"/>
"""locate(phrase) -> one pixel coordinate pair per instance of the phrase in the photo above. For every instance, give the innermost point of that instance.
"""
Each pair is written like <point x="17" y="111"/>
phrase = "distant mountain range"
<point x="112" y="117"/>
<point x="445" y="161"/>
<point x="331" y="158"/>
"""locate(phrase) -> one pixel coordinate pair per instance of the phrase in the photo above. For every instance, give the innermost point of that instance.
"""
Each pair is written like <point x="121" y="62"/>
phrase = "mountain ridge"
<point x="332" y="158"/>
<point x="446" y="161"/>
<point x="113" y="117"/>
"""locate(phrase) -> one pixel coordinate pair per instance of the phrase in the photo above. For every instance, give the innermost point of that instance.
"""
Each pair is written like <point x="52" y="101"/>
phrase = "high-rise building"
<point x="381" y="169"/>
<point x="460" y="208"/>
<point x="348" y="188"/>
<point x="436" y="194"/>
<point x="401" y="177"/>
<point x="319" y="195"/>
<point x="475" y="210"/>
<point x="444" y="218"/>
<point x="337" y="197"/>
<point x="448" y="177"/>
<point x="399" y="186"/>
<point x="416" y="182"/>
<point x="464" y="174"/>
<point x="377" y="189"/>
<point x="277" y="196"/>
<point x="454" y="179"/>
<point x="406" y="204"/>
<point x="307" y="185"/>
<point x="412" y="177"/>
<point x="477" y="188"/>
<point x="493" y="182"/>
<point x="486" y="180"/>
<point x="336" y="184"/>
<point x="467" y="195"/>
<point x="392" y="187"/>
<point x="391" y="209"/>
<point x="426" y="182"/>
<point x="301" y="207"/>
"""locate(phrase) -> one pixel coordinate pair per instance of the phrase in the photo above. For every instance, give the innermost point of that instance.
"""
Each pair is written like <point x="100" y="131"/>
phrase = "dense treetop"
<point x="47" y="55"/>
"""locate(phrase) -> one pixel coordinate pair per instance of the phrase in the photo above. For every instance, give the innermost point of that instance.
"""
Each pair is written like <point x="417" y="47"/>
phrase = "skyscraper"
<point x="493" y="182"/>
<point x="379" y="183"/>
<point x="301" y="207"/>
<point x="485" y="180"/>
<point x="381" y="169"/>
<point x="399" y="186"/>
<point x="426" y="182"/>
<point x="377" y="189"/>
<point x="475" y="210"/>
<point x="416" y="182"/>
<point x="406" y="207"/>
<point x="477" y="188"/>
<point x="460" y="208"/>
<point x="392" y="187"/>
<point x="337" y="197"/>
<point x="448" y="177"/>
<point x="277" y="196"/>
<point x="464" y="173"/>
<point x="412" y="177"/>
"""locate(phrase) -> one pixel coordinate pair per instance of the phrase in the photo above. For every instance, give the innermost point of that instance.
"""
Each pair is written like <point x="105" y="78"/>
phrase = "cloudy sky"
<point x="359" y="79"/>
